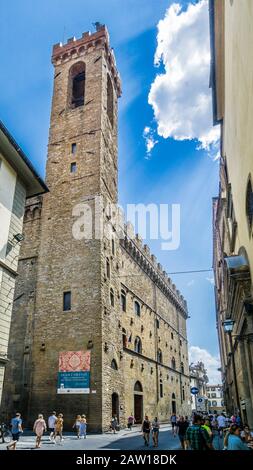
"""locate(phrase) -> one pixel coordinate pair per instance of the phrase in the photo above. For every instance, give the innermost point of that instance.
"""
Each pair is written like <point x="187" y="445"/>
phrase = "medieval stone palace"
<point x="97" y="326"/>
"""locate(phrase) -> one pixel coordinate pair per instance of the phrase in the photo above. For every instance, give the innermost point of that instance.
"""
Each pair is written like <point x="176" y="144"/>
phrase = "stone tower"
<point x="69" y="286"/>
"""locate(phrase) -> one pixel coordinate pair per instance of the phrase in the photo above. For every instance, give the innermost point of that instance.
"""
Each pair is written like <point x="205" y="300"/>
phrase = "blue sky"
<point x="174" y="172"/>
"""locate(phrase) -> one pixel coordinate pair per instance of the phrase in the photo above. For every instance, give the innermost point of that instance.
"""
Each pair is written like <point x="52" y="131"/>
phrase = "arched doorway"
<point x="138" y="402"/>
<point x="173" y="404"/>
<point x="115" y="405"/>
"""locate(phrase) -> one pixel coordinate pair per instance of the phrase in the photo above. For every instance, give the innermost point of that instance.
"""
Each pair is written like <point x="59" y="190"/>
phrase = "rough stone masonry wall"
<point x="170" y="338"/>
<point x="17" y="376"/>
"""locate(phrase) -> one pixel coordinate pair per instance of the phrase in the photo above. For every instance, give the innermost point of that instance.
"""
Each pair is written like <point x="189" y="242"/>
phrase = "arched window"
<point x="161" y="388"/>
<point x="137" y="308"/>
<point x="159" y="356"/>
<point x="172" y="336"/>
<point x="77" y="85"/>
<point x="137" y="345"/>
<point x="214" y="403"/>
<point x="114" y="365"/>
<point x="138" y="387"/>
<point x="123" y="300"/>
<point x="173" y="363"/>
<point x="249" y="203"/>
<point x="108" y="270"/>
<point x="173" y="396"/>
<point x="109" y="100"/>
<point x="182" y="367"/>
<point x="183" y="394"/>
<point x="112" y="297"/>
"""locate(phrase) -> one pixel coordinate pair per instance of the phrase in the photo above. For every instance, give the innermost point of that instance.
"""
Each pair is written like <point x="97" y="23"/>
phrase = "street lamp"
<point x="228" y="328"/>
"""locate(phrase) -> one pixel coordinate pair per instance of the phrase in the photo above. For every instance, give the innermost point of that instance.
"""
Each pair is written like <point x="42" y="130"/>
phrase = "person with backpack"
<point x="197" y="437"/>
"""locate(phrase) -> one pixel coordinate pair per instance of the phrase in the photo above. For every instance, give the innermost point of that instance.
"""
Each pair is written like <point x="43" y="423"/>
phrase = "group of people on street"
<point x="202" y="433"/>
<point x="55" y="428"/>
<point x="150" y="427"/>
<point x="80" y="426"/>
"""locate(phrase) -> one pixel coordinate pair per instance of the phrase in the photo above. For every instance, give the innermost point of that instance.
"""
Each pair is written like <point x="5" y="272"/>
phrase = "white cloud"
<point x="180" y="97"/>
<point x="210" y="279"/>
<point x="211" y="363"/>
<point x="150" y="141"/>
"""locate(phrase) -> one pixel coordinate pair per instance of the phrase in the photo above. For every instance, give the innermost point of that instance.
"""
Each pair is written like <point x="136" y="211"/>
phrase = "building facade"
<point x="101" y="294"/>
<point x="18" y="180"/>
<point x="231" y="81"/>
<point x="199" y="380"/>
<point x="215" y="398"/>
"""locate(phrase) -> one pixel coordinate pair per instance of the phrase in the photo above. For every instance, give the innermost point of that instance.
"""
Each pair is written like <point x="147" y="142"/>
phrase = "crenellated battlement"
<point x="148" y="262"/>
<point x="89" y="42"/>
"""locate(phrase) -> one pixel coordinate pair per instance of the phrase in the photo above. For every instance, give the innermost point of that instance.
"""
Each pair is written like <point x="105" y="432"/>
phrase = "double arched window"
<point x="77" y="85"/>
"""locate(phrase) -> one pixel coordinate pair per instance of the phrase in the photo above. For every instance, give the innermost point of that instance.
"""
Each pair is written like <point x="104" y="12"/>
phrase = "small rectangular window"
<point x="66" y="301"/>
<point x="73" y="148"/>
<point x="73" y="167"/>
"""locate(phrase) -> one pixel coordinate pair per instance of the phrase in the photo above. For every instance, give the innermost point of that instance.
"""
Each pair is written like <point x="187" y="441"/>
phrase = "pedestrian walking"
<point x="197" y="438"/>
<point x="76" y="426"/>
<point x="130" y="421"/>
<point x="155" y="431"/>
<point x="182" y="426"/>
<point x="146" y="428"/>
<point x="51" y="425"/>
<point x="173" y="420"/>
<point x="59" y="427"/>
<point x="83" y="427"/>
<point x="221" y="419"/>
<point x="114" y="424"/>
<point x="38" y="428"/>
<point x="16" y="430"/>
<point x="233" y="440"/>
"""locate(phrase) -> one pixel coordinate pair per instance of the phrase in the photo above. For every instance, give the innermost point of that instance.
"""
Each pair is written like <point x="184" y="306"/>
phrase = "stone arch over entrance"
<point x="115" y="405"/>
<point x="138" y="402"/>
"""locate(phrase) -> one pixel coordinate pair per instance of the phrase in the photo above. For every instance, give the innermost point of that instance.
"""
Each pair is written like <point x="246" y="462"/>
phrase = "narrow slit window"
<point x="73" y="167"/>
<point x="66" y="301"/>
<point x="73" y="148"/>
<point x="109" y="100"/>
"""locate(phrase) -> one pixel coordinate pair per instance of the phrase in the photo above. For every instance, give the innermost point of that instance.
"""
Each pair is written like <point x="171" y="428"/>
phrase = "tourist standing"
<point x="155" y="431"/>
<point x="38" y="428"/>
<point x="114" y="424"/>
<point x="83" y="427"/>
<point x="146" y="427"/>
<point x="51" y="425"/>
<point x="16" y="430"/>
<point x="130" y="421"/>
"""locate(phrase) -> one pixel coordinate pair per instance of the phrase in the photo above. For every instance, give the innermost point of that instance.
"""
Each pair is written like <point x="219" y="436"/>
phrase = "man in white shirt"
<point x="51" y="425"/>
<point x="221" y="423"/>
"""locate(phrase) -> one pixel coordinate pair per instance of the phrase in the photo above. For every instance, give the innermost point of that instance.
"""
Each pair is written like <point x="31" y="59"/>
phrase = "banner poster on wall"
<point x="74" y="372"/>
